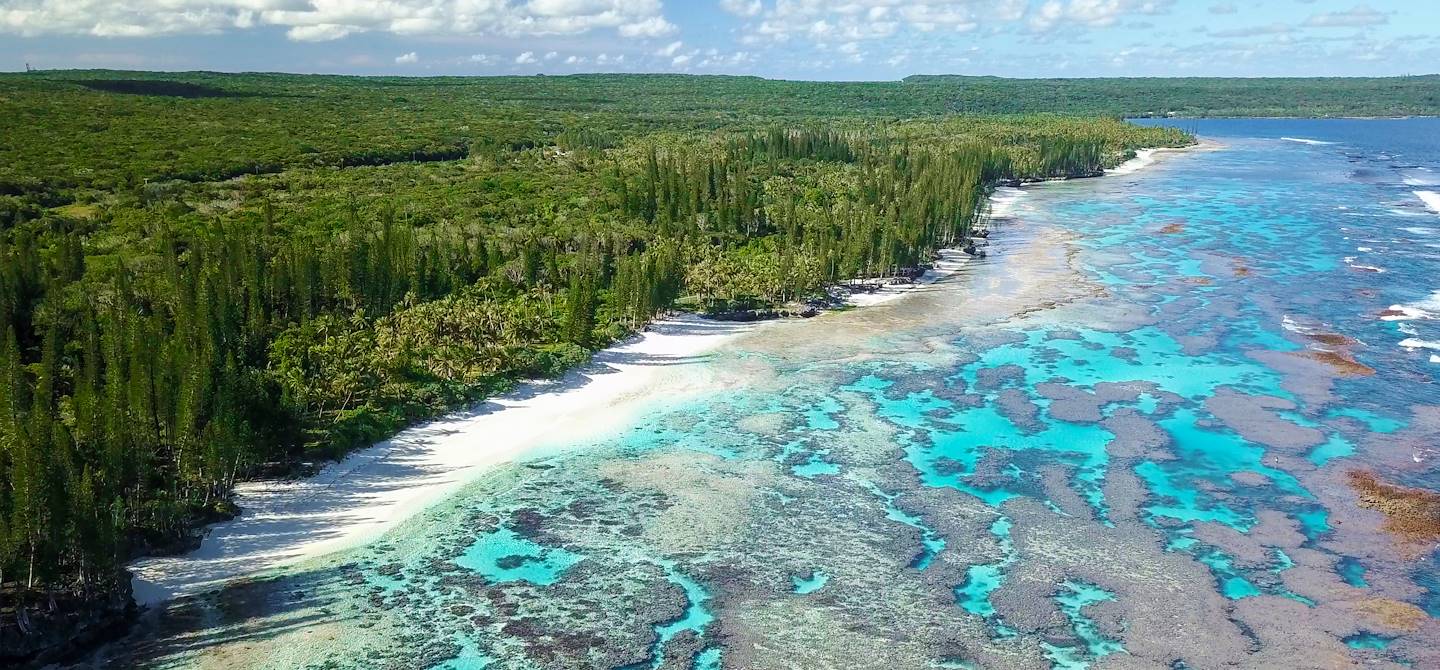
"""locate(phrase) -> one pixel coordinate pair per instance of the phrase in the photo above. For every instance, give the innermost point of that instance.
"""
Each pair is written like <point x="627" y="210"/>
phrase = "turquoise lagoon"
<point x="1120" y="439"/>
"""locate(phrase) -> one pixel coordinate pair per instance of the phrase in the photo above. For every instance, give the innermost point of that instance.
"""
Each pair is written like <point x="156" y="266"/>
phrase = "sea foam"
<point x="1002" y="201"/>
<point x="1303" y="140"/>
<point x="1429" y="308"/>
<point x="1417" y="343"/>
<point x="1431" y="198"/>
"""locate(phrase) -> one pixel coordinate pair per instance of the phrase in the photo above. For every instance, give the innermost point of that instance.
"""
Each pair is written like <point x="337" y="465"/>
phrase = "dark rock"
<point x="185" y="536"/>
<point x="749" y="315"/>
<point x="514" y="561"/>
<point x="63" y="628"/>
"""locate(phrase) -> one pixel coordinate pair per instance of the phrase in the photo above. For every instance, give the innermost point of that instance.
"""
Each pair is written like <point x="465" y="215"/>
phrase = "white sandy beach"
<point x="1146" y="157"/>
<point x="377" y="488"/>
<point x="950" y="262"/>
<point x="1142" y="159"/>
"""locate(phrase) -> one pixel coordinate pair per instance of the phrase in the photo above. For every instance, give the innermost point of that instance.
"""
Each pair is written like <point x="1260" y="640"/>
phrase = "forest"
<point x="101" y="129"/>
<point x="221" y="277"/>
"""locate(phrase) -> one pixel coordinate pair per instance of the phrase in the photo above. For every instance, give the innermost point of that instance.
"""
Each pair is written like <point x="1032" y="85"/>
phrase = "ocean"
<point x="1175" y="418"/>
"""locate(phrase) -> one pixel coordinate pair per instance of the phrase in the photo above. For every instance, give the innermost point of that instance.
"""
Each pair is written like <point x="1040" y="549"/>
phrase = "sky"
<point x="790" y="39"/>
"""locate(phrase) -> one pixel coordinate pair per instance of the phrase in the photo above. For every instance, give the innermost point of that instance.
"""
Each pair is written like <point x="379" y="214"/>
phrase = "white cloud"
<point x="485" y="59"/>
<point x="407" y="59"/>
<point x="525" y="58"/>
<point x="1254" y="31"/>
<point x="715" y="59"/>
<point x="318" y="20"/>
<point x="1356" y="17"/>
<point x="670" y="49"/>
<point x="552" y="55"/>
<point x="742" y="7"/>
<point x="1048" y="15"/>
<point x="1092" y="13"/>
<point x="850" y="20"/>
<point x="655" y="26"/>
<point x="320" y="32"/>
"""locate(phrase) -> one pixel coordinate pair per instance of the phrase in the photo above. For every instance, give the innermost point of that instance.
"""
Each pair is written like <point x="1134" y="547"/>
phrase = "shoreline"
<point x="1146" y="157"/>
<point x="374" y="489"/>
<point x="950" y="261"/>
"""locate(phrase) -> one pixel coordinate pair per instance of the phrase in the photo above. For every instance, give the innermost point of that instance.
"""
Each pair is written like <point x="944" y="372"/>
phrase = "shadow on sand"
<point x="241" y="615"/>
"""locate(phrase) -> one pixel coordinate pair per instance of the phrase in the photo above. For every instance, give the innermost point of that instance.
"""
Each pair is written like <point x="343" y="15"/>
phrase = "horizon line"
<point x="688" y="75"/>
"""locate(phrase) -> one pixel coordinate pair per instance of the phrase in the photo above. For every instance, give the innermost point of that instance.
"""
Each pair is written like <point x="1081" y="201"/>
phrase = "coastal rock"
<point x="749" y="315"/>
<point x="63" y="628"/>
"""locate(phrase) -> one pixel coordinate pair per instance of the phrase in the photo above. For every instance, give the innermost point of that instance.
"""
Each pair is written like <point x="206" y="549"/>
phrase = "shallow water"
<point x="1121" y="440"/>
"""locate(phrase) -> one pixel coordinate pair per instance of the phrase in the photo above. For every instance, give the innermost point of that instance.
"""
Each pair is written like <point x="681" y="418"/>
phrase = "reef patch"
<point x="1412" y="515"/>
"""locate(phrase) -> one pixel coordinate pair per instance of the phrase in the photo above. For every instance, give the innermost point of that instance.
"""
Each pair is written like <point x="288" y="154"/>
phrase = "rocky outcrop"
<point x="748" y="315"/>
<point x="62" y="628"/>
<point x="1412" y="515"/>
<point x="1016" y="183"/>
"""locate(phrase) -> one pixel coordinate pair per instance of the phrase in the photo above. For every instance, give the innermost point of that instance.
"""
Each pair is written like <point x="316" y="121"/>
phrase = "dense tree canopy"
<point x="104" y="128"/>
<point x="172" y="321"/>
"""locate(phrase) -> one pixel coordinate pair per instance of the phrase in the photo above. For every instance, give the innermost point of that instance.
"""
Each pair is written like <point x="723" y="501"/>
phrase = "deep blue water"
<point x="1126" y="437"/>
<point x="1417" y="138"/>
<point x="1382" y="222"/>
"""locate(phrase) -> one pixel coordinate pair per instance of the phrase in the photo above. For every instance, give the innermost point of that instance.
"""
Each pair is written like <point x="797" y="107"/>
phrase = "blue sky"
<point x="794" y="39"/>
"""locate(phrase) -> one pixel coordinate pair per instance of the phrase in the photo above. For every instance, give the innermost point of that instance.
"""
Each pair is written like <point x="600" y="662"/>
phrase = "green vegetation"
<point x="1191" y="97"/>
<point x="83" y="129"/>
<point x="211" y="277"/>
